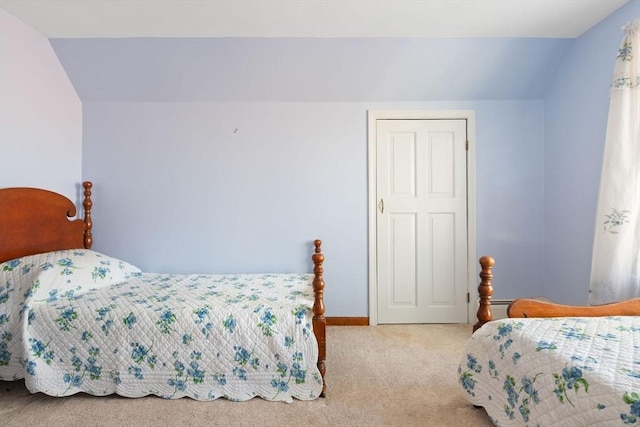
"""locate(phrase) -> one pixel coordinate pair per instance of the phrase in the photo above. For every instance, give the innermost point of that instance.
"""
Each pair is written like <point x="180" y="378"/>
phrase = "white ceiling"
<point x="311" y="18"/>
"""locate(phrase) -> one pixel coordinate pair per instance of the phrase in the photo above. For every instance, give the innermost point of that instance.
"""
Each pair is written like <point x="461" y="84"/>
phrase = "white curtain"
<point x="616" y="258"/>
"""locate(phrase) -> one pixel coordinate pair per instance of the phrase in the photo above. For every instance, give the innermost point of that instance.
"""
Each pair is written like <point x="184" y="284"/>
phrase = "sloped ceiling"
<point x="313" y="70"/>
<point x="306" y="50"/>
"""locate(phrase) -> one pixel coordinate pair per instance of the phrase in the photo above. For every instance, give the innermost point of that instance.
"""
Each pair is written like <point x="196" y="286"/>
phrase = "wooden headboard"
<point x="527" y="307"/>
<point x="35" y="221"/>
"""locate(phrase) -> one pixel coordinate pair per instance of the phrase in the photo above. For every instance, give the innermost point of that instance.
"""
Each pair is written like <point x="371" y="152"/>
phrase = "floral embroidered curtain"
<point x="616" y="247"/>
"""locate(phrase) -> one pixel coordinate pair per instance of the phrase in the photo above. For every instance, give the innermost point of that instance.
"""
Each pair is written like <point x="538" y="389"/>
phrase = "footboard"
<point x="319" y="321"/>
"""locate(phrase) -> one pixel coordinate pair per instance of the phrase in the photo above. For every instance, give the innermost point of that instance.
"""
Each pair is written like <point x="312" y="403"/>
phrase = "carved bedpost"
<point x="485" y="290"/>
<point x="87" y="204"/>
<point x="319" y="321"/>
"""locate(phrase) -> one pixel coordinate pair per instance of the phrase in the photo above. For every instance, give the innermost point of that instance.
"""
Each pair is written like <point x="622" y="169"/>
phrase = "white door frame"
<point x="469" y="116"/>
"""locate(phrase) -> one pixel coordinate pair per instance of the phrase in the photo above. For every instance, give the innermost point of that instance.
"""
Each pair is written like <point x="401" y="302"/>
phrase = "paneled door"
<point x="421" y="221"/>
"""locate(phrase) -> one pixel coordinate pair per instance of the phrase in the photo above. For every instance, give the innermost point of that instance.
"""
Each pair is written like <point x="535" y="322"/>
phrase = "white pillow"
<point x="63" y="273"/>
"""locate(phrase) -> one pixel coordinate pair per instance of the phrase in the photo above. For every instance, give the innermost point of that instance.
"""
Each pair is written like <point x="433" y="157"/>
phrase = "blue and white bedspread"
<point x="555" y="372"/>
<point x="79" y="321"/>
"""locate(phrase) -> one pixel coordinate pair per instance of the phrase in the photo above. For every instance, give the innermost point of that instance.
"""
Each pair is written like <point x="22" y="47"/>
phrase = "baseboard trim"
<point x="347" y="321"/>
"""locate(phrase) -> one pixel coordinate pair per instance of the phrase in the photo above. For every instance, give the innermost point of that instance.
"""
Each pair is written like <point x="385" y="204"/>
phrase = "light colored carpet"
<point x="388" y="375"/>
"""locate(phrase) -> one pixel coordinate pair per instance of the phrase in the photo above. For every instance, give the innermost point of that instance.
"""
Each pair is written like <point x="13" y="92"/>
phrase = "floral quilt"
<point x="560" y="371"/>
<point x="80" y="321"/>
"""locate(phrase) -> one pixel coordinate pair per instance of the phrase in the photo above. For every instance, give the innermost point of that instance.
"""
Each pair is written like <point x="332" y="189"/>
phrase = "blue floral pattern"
<point x="564" y="371"/>
<point x="107" y="328"/>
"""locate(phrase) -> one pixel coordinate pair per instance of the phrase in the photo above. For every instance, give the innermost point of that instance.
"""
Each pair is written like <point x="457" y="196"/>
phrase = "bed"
<point x="76" y="320"/>
<point x="550" y="364"/>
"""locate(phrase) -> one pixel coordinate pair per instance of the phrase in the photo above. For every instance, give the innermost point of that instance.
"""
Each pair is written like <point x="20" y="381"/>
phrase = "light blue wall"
<point x="183" y="191"/>
<point x="179" y="189"/>
<point x="576" y="108"/>
<point x="246" y="187"/>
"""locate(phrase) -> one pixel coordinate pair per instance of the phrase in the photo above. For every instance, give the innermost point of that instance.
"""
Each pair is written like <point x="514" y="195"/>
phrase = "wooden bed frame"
<point x="526" y="307"/>
<point x="35" y="221"/>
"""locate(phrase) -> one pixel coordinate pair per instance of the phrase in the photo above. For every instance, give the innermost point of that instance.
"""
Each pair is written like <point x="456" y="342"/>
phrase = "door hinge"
<point x="466" y="145"/>
<point x="468" y="297"/>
